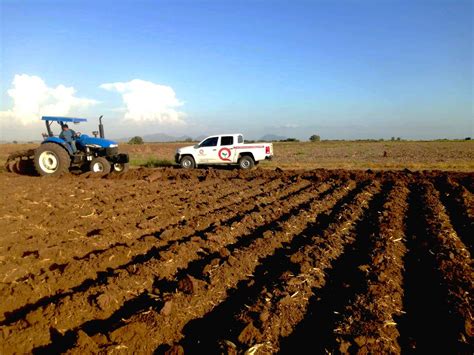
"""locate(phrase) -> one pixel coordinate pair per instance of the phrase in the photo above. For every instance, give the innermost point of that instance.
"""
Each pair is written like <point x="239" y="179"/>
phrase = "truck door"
<point x="207" y="151"/>
<point x="226" y="153"/>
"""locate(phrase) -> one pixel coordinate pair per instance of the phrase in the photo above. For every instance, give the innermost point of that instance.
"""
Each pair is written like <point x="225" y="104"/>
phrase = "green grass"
<point x="151" y="162"/>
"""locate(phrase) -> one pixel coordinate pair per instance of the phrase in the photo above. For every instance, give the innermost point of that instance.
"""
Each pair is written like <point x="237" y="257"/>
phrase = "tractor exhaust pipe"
<point x="101" y="128"/>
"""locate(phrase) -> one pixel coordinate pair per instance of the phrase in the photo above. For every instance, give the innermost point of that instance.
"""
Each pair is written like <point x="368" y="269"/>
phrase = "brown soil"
<point x="225" y="261"/>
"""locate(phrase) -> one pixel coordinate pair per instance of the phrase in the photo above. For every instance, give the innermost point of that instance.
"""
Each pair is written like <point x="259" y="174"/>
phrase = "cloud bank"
<point x="147" y="102"/>
<point x="32" y="98"/>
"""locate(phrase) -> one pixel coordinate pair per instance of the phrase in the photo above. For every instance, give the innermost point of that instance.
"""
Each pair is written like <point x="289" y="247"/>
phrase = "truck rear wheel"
<point x="100" y="165"/>
<point x="51" y="160"/>
<point x="187" y="162"/>
<point x="246" y="162"/>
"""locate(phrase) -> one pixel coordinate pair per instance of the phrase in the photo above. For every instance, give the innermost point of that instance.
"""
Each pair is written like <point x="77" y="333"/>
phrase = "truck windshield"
<point x="210" y="142"/>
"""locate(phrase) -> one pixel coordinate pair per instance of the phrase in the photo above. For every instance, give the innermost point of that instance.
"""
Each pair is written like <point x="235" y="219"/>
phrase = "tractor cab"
<point x="61" y="121"/>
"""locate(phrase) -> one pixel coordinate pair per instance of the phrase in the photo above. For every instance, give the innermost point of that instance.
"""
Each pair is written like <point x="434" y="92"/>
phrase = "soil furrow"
<point x="101" y="301"/>
<point x="239" y="266"/>
<point x="342" y="280"/>
<point x="438" y="277"/>
<point x="368" y="324"/>
<point x="231" y="261"/>
<point x="64" y="277"/>
<point x="245" y="316"/>
<point x="94" y="236"/>
<point x="459" y="205"/>
<point x="454" y="263"/>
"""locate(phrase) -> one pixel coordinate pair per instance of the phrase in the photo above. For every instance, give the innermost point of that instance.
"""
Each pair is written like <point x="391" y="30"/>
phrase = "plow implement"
<point x="21" y="162"/>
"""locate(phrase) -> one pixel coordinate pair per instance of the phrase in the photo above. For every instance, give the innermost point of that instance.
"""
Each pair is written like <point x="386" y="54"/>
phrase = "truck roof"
<point x="225" y="134"/>
<point x="63" y="119"/>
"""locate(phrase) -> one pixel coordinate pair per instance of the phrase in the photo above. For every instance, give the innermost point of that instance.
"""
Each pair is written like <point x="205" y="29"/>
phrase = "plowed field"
<point x="217" y="261"/>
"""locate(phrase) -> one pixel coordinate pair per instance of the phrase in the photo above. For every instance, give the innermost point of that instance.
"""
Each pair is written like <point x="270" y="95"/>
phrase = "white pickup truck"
<point x="224" y="149"/>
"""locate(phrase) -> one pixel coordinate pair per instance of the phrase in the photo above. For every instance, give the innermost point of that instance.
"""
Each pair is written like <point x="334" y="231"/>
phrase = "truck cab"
<point x="224" y="149"/>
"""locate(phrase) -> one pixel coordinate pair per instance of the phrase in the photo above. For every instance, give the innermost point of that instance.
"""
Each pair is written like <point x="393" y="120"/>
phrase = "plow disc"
<point x="21" y="162"/>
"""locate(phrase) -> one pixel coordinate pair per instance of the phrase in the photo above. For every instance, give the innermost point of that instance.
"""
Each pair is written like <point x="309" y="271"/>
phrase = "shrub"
<point x="136" y="140"/>
<point x="315" y="138"/>
<point x="155" y="163"/>
<point x="290" y="140"/>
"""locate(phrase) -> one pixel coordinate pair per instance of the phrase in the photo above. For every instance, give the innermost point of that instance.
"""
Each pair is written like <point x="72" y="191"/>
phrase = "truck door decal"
<point x="224" y="154"/>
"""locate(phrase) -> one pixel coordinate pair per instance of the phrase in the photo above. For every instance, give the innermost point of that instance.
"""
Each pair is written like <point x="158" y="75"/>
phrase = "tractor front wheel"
<point x="51" y="160"/>
<point x="120" y="168"/>
<point x="100" y="165"/>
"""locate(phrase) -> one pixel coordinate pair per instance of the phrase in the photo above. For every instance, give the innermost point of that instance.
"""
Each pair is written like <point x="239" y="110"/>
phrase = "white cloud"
<point x="32" y="98"/>
<point x="148" y="102"/>
<point x="289" y="125"/>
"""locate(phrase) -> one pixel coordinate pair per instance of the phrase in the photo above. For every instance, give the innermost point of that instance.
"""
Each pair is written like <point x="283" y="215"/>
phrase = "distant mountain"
<point x="200" y="138"/>
<point x="162" y="137"/>
<point x="159" y="137"/>
<point x="272" y="137"/>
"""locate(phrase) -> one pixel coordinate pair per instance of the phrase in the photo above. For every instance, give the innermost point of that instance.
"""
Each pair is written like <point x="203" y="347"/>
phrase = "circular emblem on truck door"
<point x="224" y="154"/>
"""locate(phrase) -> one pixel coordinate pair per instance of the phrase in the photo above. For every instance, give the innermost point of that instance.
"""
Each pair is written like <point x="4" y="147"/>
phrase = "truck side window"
<point x="210" y="142"/>
<point x="227" y="140"/>
<point x="241" y="139"/>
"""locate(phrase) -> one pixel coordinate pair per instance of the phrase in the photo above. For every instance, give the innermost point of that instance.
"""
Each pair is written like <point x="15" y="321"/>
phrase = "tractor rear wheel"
<point x="100" y="165"/>
<point x="51" y="160"/>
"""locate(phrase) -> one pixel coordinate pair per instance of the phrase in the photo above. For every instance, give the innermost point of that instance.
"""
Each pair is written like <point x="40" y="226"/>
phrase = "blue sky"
<point x="342" y="69"/>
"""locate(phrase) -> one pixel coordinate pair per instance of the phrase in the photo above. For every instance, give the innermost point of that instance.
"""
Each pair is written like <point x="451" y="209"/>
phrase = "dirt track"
<point x="229" y="261"/>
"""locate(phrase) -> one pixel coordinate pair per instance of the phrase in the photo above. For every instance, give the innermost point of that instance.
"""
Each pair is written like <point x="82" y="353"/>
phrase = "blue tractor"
<point x="56" y="156"/>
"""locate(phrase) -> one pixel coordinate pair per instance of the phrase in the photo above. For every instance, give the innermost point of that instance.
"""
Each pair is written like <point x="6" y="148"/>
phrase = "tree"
<point x="290" y="140"/>
<point x="315" y="138"/>
<point x="136" y="140"/>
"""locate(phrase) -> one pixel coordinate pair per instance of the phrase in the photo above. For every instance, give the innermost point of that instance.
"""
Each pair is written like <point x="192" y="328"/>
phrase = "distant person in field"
<point x="69" y="136"/>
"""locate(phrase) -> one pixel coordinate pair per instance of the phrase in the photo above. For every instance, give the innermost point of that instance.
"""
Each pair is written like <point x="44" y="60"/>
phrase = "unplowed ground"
<point x="217" y="261"/>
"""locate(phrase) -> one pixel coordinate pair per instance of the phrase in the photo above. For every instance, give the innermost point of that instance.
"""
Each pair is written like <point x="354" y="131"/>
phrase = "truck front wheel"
<point x="187" y="162"/>
<point x="246" y="162"/>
